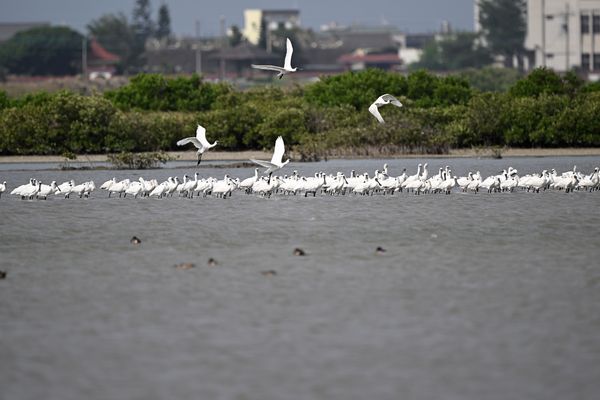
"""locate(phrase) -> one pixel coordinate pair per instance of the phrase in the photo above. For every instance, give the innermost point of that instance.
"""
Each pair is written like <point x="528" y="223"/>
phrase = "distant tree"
<point x="504" y="27"/>
<point x="490" y="79"/>
<point x="115" y="34"/>
<point x="431" y="58"/>
<point x="236" y="36"/>
<point x="455" y="52"/>
<point x="143" y="26"/>
<point x="43" y="51"/>
<point x="542" y="81"/>
<point x="463" y="50"/>
<point x="164" y="22"/>
<point x="4" y="100"/>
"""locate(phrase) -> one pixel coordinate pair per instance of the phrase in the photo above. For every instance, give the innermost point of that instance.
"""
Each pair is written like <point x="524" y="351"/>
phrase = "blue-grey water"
<point x="478" y="296"/>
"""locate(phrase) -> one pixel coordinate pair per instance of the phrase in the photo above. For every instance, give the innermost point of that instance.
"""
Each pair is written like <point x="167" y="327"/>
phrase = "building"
<point x="360" y="60"/>
<point x="412" y="46"/>
<point x="8" y="29"/>
<point x="236" y="61"/>
<point x="338" y="48"/>
<point x="184" y="55"/>
<point x="101" y="62"/>
<point x="564" y="34"/>
<point x="272" y="19"/>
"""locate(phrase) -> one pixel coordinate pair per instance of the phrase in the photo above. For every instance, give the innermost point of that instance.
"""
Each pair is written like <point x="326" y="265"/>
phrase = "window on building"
<point x="596" y="61"/>
<point x="596" y="23"/>
<point x="585" y="23"/>
<point x="585" y="61"/>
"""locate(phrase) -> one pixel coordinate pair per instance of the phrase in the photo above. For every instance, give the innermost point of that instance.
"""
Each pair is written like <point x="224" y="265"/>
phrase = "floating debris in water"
<point x="2" y="274"/>
<point x="212" y="262"/>
<point x="380" y="250"/>
<point x="269" y="272"/>
<point x="135" y="240"/>
<point x="184" y="266"/>
<point x="299" y="252"/>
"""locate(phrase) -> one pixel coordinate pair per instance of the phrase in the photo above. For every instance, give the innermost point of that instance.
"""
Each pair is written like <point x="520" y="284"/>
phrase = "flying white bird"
<point x="287" y="64"/>
<point x="199" y="141"/>
<point x="382" y="101"/>
<point x="276" y="161"/>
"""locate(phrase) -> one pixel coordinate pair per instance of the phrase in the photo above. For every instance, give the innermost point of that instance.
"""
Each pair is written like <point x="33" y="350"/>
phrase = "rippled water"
<point x="477" y="297"/>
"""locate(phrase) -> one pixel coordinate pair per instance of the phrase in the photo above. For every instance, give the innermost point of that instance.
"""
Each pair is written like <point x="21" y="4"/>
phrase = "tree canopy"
<point x="128" y="39"/>
<point x="454" y="52"/>
<point x="43" y="51"/>
<point x="504" y="27"/>
<point x="163" y="29"/>
<point x="115" y="34"/>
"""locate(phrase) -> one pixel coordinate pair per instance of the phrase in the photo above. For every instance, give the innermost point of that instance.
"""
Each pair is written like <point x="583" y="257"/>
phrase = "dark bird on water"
<point x="299" y="252"/>
<point x="212" y="262"/>
<point x="135" y="240"/>
<point x="269" y="272"/>
<point x="380" y="250"/>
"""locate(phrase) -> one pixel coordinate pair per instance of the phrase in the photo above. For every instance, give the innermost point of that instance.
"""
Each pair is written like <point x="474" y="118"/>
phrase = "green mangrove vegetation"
<point x="329" y="117"/>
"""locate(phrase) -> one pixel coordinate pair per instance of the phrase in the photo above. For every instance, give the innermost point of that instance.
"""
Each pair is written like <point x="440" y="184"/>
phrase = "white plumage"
<point x="287" y="64"/>
<point x="381" y="101"/>
<point x="276" y="161"/>
<point x="199" y="141"/>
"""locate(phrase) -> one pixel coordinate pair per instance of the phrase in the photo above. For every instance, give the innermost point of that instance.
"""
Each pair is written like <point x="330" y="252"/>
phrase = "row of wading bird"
<point x="381" y="182"/>
<point x="364" y="184"/>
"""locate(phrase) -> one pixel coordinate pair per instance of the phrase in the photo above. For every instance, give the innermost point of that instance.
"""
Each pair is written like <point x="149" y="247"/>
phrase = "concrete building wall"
<point x="254" y="18"/>
<point x="564" y="34"/>
<point x="252" y="24"/>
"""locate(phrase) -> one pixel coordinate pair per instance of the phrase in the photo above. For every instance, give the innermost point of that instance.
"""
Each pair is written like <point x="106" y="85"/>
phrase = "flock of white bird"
<point x="364" y="184"/>
<point x="380" y="182"/>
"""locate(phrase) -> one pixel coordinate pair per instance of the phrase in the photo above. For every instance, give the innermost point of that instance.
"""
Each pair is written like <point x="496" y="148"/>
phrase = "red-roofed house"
<point x="360" y="60"/>
<point x="101" y="61"/>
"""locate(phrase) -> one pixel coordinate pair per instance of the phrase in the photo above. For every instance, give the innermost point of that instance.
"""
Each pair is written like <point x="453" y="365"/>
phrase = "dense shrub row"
<point x="330" y="116"/>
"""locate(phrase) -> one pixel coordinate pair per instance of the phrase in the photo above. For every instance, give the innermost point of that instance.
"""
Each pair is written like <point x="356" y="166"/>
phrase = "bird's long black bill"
<point x="199" y="160"/>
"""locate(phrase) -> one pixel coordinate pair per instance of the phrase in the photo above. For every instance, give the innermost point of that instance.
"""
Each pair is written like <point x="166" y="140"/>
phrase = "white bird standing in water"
<point x="199" y="141"/>
<point x="287" y="64"/>
<point x="2" y="188"/>
<point x="276" y="161"/>
<point x="382" y="101"/>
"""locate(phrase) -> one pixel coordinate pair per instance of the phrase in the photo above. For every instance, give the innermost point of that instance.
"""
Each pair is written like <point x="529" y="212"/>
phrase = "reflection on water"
<point x="477" y="296"/>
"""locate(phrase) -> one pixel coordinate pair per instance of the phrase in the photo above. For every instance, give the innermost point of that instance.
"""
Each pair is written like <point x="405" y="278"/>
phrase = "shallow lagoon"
<point x="477" y="296"/>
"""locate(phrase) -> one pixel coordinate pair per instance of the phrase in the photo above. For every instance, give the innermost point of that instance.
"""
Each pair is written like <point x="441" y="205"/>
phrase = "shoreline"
<point x="246" y="155"/>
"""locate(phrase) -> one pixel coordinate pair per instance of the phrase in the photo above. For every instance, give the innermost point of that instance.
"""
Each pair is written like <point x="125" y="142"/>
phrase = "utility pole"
<point x="84" y="66"/>
<point x="198" y="49"/>
<point x="268" y="38"/>
<point x="223" y="40"/>
<point x="566" y="29"/>
<point x="544" y="33"/>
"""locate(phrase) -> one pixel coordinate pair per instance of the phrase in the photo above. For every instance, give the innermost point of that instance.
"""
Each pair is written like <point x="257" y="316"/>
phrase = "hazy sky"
<point x="408" y="15"/>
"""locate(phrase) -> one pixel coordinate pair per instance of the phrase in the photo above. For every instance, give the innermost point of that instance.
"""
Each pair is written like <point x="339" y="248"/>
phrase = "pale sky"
<point x="409" y="15"/>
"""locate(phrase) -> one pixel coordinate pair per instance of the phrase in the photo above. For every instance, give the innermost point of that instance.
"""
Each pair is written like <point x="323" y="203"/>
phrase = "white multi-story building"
<point x="255" y="18"/>
<point x="564" y="34"/>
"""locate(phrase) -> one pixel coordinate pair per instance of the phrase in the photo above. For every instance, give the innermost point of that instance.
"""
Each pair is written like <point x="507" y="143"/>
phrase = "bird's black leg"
<point x="199" y="159"/>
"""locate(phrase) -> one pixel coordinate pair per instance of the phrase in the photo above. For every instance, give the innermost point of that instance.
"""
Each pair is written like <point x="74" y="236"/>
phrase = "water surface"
<point x="477" y="296"/>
